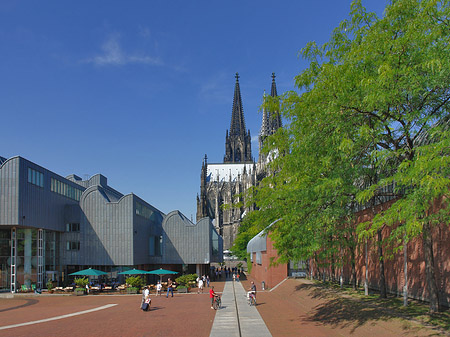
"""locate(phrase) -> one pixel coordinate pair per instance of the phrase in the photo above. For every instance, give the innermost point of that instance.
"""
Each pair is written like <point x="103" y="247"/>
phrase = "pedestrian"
<point x="145" y="294"/>
<point x="207" y="280"/>
<point x="212" y="296"/>
<point x="234" y="276"/>
<point x="169" y="287"/>
<point x="158" y="288"/>
<point x="237" y="277"/>
<point x="200" y="285"/>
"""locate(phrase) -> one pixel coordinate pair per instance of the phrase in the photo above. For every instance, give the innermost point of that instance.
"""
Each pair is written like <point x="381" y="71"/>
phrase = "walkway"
<point x="236" y="317"/>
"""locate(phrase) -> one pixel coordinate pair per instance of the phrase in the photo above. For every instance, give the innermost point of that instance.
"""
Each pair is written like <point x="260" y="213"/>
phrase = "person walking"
<point x="145" y="295"/>
<point x="158" y="288"/>
<point x="169" y="287"/>
<point x="200" y="285"/>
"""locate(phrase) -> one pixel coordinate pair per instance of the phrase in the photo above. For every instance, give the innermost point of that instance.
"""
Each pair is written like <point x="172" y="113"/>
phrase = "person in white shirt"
<point x="200" y="285"/>
<point x="158" y="288"/>
<point x="145" y="295"/>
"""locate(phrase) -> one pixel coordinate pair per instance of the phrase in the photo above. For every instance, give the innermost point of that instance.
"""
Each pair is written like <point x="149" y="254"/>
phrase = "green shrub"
<point x="184" y="280"/>
<point x="81" y="282"/>
<point x="135" y="281"/>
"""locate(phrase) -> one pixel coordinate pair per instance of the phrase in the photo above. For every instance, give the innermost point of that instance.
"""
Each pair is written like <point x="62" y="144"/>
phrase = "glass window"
<point x="35" y="177"/>
<point x="65" y="189"/>
<point x="258" y="258"/>
<point x="73" y="227"/>
<point x="73" y="245"/>
<point x="215" y="242"/>
<point x="151" y="246"/>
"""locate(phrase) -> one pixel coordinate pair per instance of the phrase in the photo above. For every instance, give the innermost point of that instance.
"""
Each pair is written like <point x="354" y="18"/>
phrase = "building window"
<point x="143" y="211"/>
<point x="73" y="227"/>
<point x="258" y="258"/>
<point x="73" y="245"/>
<point x="35" y="177"/>
<point x="65" y="189"/>
<point x="155" y="245"/>
<point x="214" y="243"/>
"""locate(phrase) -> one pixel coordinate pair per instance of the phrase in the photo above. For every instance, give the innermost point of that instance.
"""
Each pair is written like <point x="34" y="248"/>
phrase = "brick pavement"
<point x="299" y="308"/>
<point x="182" y="315"/>
<point x="295" y="308"/>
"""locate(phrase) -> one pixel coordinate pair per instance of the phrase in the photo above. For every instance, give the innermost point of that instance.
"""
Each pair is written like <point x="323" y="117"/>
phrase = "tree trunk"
<point x="352" y="253"/>
<point x="381" y="259"/>
<point x="430" y="274"/>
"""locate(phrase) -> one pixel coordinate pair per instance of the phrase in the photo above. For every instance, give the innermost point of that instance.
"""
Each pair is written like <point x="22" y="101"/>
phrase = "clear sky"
<point x="140" y="91"/>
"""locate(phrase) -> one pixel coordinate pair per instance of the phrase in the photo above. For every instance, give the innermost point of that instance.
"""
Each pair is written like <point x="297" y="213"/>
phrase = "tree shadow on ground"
<point x="346" y="312"/>
<point x="27" y="303"/>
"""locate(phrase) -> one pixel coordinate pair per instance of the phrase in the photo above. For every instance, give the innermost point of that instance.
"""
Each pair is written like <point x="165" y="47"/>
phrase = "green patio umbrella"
<point x="161" y="272"/>
<point x="133" y="272"/>
<point x="89" y="272"/>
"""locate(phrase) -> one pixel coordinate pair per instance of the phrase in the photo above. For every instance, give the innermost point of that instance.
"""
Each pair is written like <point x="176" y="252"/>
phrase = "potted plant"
<point x="49" y="285"/>
<point x="134" y="284"/>
<point x="81" y="283"/>
<point x="184" y="282"/>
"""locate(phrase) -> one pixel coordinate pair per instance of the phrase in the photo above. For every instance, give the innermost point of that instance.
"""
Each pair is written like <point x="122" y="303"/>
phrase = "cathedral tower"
<point x="224" y="186"/>
<point x="271" y="122"/>
<point x="238" y="142"/>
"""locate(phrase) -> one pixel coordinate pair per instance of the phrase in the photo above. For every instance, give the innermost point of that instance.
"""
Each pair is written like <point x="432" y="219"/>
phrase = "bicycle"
<point x="217" y="302"/>
<point x="251" y="300"/>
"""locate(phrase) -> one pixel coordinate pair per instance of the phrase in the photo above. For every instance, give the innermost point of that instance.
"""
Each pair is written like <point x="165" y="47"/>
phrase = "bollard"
<point x="263" y="286"/>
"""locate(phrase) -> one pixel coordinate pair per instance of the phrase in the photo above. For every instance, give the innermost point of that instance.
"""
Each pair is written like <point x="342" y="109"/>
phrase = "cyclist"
<point x="212" y="296"/>
<point x="252" y="291"/>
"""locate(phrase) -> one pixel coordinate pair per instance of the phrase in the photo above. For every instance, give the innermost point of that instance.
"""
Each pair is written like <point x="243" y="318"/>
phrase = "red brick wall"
<point x="394" y="265"/>
<point x="270" y="274"/>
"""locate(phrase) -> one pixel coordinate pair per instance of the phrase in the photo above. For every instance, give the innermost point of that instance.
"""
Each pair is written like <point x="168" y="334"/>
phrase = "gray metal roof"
<point x="259" y="242"/>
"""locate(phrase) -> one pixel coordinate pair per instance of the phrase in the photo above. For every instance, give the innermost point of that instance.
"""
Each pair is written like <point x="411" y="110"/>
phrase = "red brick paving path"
<point x="298" y="308"/>
<point x="183" y="315"/>
<point x="295" y="308"/>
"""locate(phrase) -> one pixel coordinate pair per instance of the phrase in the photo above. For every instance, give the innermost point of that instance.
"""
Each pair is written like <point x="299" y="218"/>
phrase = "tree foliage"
<point x="371" y="123"/>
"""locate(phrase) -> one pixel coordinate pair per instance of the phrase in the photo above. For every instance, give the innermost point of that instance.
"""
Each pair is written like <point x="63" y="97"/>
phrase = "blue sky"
<point x="140" y="91"/>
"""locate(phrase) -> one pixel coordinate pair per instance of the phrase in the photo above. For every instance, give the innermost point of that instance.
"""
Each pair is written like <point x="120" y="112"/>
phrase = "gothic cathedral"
<point x="223" y="186"/>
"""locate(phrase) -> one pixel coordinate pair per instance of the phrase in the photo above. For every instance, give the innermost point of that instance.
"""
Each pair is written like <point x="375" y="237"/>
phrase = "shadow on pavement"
<point x="27" y="303"/>
<point x="346" y="312"/>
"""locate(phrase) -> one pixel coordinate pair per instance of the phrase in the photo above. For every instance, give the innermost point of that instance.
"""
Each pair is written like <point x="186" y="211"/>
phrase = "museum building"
<point x="51" y="226"/>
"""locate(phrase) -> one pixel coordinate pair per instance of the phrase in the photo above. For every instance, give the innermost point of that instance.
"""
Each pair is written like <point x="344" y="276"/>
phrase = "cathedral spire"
<point x="237" y="115"/>
<point x="265" y="119"/>
<point x="238" y="140"/>
<point x="273" y="90"/>
<point x="271" y="120"/>
<point x="274" y="116"/>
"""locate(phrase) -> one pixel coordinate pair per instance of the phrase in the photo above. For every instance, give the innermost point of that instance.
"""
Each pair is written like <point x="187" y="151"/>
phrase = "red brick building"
<point x="262" y="252"/>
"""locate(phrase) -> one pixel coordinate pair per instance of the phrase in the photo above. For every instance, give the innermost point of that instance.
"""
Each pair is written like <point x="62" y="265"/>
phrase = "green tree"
<point x="371" y="123"/>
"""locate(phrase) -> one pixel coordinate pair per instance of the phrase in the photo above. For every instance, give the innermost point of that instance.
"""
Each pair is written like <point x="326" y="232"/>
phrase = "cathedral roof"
<point x="223" y="172"/>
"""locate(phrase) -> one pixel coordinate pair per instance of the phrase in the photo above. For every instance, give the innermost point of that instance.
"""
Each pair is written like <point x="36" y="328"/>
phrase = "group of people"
<point x="226" y="272"/>
<point x="146" y="300"/>
<point x="201" y="281"/>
